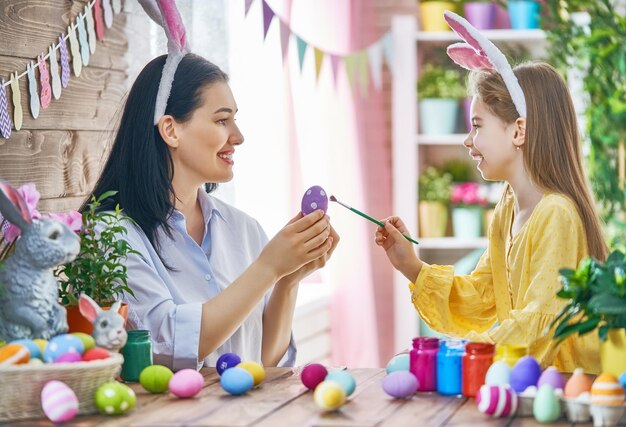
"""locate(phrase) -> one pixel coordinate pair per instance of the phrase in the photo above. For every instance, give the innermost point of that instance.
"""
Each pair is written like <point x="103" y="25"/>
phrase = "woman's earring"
<point x="517" y="148"/>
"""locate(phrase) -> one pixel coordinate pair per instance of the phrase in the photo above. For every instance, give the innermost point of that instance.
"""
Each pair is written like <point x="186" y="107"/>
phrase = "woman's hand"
<point x="399" y="250"/>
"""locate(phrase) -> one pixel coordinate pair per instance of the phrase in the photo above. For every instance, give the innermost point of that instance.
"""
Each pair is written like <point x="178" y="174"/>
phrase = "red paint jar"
<point x="477" y="359"/>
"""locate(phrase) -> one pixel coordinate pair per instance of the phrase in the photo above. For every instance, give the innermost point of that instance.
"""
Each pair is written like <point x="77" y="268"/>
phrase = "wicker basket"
<point x="20" y="385"/>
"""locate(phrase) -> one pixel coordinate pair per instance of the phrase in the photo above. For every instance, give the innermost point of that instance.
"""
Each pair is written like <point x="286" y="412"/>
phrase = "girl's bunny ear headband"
<point x="479" y="53"/>
<point x="165" y="13"/>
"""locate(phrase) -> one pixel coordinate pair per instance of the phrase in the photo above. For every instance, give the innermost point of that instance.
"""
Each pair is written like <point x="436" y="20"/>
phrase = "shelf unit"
<point x="407" y="144"/>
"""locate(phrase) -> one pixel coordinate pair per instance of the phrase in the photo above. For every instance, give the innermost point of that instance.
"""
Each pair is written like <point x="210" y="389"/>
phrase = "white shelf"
<point x="452" y="243"/>
<point x="450" y="139"/>
<point x="516" y="36"/>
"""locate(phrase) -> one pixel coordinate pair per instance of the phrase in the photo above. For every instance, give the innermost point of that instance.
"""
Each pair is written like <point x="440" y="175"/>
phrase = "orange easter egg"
<point x="606" y="390"/>
<point x="577" y="384"/>
<point x="13" y="354"/>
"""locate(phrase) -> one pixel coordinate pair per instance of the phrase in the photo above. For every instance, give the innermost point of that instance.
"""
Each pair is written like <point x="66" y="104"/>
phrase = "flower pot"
<point x="502" y="19"/>
<point x="524" y="14"/>
<point x="467" y="222"/>
<point x="481" y="15"/>
<point x="438" y="116"/>
<point x="613" y="352"/>
<point x="77" y="323"/>
<point x="433" y="219"/>
<point x="431" y="15"/>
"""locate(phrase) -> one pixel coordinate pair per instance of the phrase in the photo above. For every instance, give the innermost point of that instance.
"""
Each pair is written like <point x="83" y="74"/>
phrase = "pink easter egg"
<point x="58" y="402"/>
<point x="312" y="375"/>
<point x="497" y="400"/>
<point x="186" y="383"/>
<point x="553" y="377"/>
<point x="314" y="198"/>
<point x="69" y="358"/>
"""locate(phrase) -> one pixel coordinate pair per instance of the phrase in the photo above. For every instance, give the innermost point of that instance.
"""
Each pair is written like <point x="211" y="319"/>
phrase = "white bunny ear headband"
<point x="479" y="53"/>
<point x="165" y="13"/>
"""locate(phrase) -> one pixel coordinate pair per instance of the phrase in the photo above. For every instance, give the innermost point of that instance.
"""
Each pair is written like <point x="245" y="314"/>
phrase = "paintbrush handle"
<point x="380" y="224"/>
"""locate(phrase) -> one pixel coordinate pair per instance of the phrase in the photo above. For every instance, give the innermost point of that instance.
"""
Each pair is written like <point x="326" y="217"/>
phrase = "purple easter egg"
<point x="314" y="198"/>
<point x="525" y="373"/>
<point x="69" y="358"/>
<point x="312" y="375"/>
<point x="400" y="384"/>
<point x="553" y="377"/>
<point x="226" y="361"/>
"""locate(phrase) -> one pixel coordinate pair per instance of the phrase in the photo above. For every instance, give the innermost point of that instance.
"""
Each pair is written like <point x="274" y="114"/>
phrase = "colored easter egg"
<point x="553" y="377"/>
<point x="32" y="347"/>
<point x="96" y="353"/>
<point x="606" y="390"/>
<point x="14" y="354"/>
<point x="87" y="340"/>
<point x="314" y="198"/>
<point x="186" y="383"/>
<point x="547" y="406"/>
<point x="400" y="384"/>
<point x="345" y="379"/>
<point x="35" y="362"/>
<point x="114" y="398"/>
<point x="62" y="344"/>
<point x="59" y="402"/>
<point x="398" y="363"/>
<point x="622" y="379"/>
<point x="577" y="384"/>
<point x="41" y="343"/>
<point x="312" y="375"/>
<point x="329" y="395"/>
<point x="256" y="370"/>
<point x="236" y="381"/>
<point x="227" y="360"/>
<point x="497" y="400"/>
<point x="525" y="373"/>
<point x="69" y="358"/>
<point x="499" y="373"/>
<point x="155" y="378"/>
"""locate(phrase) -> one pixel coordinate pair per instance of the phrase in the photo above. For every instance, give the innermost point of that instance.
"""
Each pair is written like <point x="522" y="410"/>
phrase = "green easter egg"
<point x="87" y="340"/>
<point x="114" y="398"/>
<point x="155" y="378"/>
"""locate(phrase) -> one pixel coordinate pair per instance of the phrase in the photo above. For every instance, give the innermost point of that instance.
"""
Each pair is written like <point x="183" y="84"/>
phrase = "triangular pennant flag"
<point x="248" y="4"/>
<point x="302" y="45"/>
<point x="350" y="60"/>
<point x="334" y="65"/>
<point x="5" y="120"/>
<point x="54" y="72"/>
<point x="285" y="32"/>
<point x="18" y="114"/>
<point x="65" y="62"/>
<point x="44" y="80"/>
<point x="32" y="89"/>
<point x="388" y="50"/>
<point x="375" y="56"/>
<point x="361" y="68"/>
<point x="319" y="57"/>
<point x="268" y="15"/>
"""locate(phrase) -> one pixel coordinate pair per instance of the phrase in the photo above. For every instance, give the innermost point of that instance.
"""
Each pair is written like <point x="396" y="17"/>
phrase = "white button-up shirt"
<point x="169" y="303"/>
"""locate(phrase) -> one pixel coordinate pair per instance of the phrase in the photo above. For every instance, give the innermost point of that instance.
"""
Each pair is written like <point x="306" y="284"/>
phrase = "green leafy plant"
<point x="441" y="82"/>
<point x="597" y="297"/>
<point x="461" y="170"/>
<point x="99" y="269"/>
<point x="435" y="186"/>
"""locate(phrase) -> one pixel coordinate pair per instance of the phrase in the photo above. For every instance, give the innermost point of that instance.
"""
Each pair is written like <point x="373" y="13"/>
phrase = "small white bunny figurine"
<point x="108" y="325"/>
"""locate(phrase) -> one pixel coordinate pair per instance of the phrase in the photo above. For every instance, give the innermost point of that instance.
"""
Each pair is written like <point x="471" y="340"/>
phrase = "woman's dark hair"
<point x="140" y="167"/>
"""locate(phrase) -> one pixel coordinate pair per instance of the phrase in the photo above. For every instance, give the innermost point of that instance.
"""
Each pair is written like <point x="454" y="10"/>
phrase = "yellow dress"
<point x="514" y="284"/>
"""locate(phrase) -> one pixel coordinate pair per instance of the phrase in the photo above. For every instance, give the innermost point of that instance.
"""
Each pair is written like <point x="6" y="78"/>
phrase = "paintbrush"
<point x="375" y="221"/>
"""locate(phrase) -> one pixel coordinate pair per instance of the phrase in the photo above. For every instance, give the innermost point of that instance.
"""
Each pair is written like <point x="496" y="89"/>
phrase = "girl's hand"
<point x="399" y="250"/>
<point x="302" y="240"/>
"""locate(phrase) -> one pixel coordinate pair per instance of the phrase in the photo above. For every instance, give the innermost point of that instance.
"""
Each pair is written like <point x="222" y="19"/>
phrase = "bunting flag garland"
<point x="108" y="13"/>
<point x="52" y="80"/>
<point x="361" y="65"/>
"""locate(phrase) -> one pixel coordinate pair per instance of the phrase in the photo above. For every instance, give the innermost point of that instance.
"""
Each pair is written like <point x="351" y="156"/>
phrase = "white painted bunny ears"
<point x="479" y="53"/>
<point x="165" y="13"/>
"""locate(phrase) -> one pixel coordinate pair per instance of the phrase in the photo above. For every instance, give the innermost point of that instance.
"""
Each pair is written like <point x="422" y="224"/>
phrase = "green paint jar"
<point x="137" y="354"/>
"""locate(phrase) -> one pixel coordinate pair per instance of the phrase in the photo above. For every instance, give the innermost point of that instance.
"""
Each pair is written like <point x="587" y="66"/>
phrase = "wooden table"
<point x="282" y="400"/>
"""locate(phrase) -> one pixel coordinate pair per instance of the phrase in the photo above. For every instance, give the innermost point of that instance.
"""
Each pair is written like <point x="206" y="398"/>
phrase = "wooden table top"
<point x="282" y="400"/>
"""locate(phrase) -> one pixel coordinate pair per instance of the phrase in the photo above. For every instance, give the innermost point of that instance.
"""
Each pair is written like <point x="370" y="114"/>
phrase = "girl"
<point x="545" y="221"/>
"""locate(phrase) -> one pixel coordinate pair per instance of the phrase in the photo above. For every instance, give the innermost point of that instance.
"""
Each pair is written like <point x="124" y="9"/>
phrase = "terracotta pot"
<point x="613" y="352"/>
<point x="78" y="323"/>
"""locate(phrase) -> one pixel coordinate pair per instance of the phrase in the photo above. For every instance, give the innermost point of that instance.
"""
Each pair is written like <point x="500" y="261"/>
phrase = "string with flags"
<point x="83" y="35"/>
<point x="360" y="64"/>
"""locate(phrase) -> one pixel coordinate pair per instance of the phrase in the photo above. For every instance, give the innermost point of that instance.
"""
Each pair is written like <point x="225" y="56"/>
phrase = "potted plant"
<point x="434" y="194"/>
<point x="439" y="90"/>
<point x="597" y="301"/>
<point x="467" y="202"/>
<point x="98" y="271"/>
<point x="524" y="14"/>
<point x="480" y="13"/>
<point x="431" y="14"/>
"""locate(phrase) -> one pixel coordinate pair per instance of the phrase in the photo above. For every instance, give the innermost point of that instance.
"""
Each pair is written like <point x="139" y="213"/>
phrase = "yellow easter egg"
<point x="255" y="369"/>
<point x="606" y="390"/>
<point x="14" y="354"/>
<point x="329" y="395"/>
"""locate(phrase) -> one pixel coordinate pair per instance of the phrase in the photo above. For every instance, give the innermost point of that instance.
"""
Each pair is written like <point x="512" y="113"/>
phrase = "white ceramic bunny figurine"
<point x="29" y="292"/>
<point x="108" y="325"/>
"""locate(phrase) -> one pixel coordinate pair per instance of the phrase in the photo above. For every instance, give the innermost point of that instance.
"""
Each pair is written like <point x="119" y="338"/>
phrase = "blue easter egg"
<point x="33" y="348"/>
<point x="62" y="344"/>
<point x="236" y="381"/>
<point x="344" y="379"/>
<point x="398" y="363"/>
<point x="226" y="361"/>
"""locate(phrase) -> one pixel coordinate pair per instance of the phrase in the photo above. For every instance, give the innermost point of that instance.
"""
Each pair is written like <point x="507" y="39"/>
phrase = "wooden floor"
<point x="282" y="400"/>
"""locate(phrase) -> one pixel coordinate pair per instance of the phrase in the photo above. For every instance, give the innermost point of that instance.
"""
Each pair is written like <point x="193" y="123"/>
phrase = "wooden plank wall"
<point x="62" y="151"/>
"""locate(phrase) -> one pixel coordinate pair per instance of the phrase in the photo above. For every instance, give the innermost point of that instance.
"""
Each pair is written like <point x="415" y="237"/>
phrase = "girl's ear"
<point x="519" y="137"/>
<point x="167" y="130"/>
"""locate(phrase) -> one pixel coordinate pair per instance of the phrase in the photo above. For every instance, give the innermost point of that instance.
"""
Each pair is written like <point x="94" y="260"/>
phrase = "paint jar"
<point x="137" y="354"/>
<point x="449" y="367"/>
<point x="423" y="362"/>
<point x="510" y="353"/>
<point x="477" y="359"/>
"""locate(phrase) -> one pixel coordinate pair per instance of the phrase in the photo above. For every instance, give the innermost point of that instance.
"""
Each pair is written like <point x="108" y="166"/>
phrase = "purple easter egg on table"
<point x="525" y="373"/>
<point x="314" y="198"/>
<point x="313" y="374"/>
<point x="226" y="361"/>
<point x="553" y="377"/>
<point x="400" y="384"/>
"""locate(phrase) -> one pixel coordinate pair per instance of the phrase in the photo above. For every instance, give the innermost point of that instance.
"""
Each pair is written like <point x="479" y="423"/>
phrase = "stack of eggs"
<point x="237" y="377"/>
<point x="330" y="388"/>
<point x="607" y="400"/>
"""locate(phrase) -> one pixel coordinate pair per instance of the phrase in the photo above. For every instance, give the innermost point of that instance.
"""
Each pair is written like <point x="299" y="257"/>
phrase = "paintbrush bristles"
<point x="333" y="198"/>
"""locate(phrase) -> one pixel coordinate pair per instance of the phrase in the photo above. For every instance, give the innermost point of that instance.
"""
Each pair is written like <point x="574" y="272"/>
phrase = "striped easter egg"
<point x="497" y="400"/>
<point x="606" y="390"/>
<point x="58" y="402"/>
<point x="13" y="354"/>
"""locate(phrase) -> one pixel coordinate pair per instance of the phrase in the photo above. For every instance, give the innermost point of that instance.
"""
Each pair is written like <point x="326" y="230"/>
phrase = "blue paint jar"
<point x="449" y="362"/>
